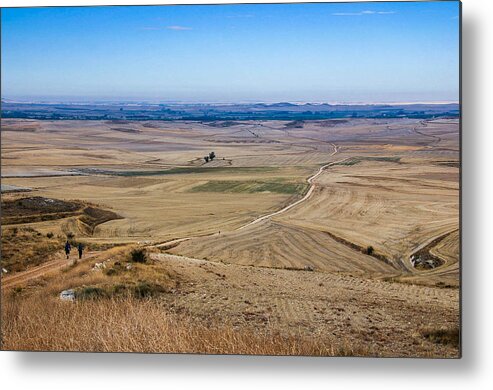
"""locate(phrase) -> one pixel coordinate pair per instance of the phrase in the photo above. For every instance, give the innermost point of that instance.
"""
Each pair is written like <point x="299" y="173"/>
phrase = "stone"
<point x="67" y="295"/>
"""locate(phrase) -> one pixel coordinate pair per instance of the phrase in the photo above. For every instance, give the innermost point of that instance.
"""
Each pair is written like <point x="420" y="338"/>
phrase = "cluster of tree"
<point x="210" y="157"/>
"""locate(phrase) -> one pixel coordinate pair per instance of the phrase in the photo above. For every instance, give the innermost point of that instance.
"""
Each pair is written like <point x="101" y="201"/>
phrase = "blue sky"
<point x="334" y="52"/>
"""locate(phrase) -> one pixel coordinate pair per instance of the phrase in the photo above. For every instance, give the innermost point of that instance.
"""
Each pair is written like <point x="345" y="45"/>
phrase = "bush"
<point x="49" y="235"/>
<point x="70" y="235"/>
<point x="140" y="290"/>
<point x="110" y="272"/>
<point x="143" y="290"/>
<point x="369" y="250"/>
<point x="90" y="292"/>
<point x="138" y="256"/>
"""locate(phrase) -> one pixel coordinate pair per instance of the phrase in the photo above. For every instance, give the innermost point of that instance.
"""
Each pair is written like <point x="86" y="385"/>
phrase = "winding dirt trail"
<point x="436" y="139"/>
<point x="9" y="281"/>
<point x="307" y="195"/>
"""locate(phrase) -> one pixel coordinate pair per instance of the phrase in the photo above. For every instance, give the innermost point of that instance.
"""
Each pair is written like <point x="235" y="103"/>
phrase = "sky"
<point x="332" y="52"/>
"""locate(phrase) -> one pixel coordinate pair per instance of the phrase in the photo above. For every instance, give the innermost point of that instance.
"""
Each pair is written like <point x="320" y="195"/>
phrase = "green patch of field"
<point x="348" y="162"/>
<point x="250" y="187"/>
<point x="184" y="170"/>
<point x="357" y="160"/>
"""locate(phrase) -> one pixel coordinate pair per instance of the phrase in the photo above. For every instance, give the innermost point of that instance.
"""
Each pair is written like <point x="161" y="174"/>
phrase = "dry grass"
<point x="115" y="279"/>
<point x="130" y="325"/>
<point x="25" y="247"/>
<point x="444" y="336"/>
<point x="170" y="304"/>
<point x="112" y="314"/>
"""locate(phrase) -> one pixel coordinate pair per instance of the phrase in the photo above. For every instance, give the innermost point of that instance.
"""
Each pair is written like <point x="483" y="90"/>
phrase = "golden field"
<point x="326" y="270"/>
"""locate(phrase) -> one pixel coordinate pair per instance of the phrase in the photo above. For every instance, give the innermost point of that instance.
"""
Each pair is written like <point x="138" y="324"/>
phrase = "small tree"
<point x="212" y="155"/>
<point x="369" y="250"/>
<point x="206" y="158"/>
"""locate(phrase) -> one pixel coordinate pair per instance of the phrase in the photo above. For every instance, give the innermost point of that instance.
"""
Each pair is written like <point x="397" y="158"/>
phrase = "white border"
<point x="473" y="371"/>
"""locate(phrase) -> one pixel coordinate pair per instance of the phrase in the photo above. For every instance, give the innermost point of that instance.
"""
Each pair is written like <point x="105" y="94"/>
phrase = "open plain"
<point x="342" y="231"/>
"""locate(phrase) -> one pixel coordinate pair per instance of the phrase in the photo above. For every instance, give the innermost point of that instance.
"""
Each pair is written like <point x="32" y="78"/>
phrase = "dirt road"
<point x="307" y="195"/>
<point x="19" y="278"/>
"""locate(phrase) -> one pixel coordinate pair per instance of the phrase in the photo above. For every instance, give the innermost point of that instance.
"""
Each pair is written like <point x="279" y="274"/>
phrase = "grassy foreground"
<point x="122" y="310"/>
<point x="128" y="324"/>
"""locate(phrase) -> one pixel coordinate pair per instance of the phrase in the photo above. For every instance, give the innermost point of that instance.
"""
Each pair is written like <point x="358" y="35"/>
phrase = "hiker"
<point x="80" y="248"/>
<point x="67" y="249"/>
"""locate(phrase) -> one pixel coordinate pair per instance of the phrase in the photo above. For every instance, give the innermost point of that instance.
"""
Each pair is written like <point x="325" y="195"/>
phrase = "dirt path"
<point x="436" y="139"/>
<point x="307" y="195"/>
<point x="23" y="277"/>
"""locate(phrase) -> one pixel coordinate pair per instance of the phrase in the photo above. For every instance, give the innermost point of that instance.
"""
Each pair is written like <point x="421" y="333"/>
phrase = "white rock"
<point x="67" y="295"/>
<point x="98" y="266"/>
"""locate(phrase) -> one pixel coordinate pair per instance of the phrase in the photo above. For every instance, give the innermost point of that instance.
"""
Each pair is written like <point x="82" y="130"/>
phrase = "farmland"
<point x="344" y="231"/>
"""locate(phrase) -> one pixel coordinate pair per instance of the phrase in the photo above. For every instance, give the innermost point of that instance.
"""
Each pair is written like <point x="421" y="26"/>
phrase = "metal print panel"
<point x="271" y="179"/>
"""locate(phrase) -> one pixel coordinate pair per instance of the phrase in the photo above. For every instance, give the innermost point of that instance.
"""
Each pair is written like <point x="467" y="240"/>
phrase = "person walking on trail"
<point x="67" y="249"/>
<point x="80" y="248"/>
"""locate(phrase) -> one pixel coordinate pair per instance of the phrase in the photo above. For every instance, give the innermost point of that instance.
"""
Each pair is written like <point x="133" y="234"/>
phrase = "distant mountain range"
<point x="214" y="112"/>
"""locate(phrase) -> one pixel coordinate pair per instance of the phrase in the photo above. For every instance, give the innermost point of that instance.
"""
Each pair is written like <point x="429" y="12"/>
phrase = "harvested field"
<point x="273" y="244"/>
<point x="320" y="266"/>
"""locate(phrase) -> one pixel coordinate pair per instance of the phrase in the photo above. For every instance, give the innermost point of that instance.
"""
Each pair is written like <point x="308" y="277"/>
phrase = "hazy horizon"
<point x="116" y="100"/>
<point x="346" y="53"/>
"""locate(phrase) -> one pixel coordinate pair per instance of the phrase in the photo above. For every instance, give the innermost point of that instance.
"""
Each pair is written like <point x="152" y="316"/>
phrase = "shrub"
<point x="369" y="250"/>
<point x="143" y="290"/>
<point x="138" y="256"/>
<point x="90" y="292"/>
<point x="49" y="235"/>
<point x="70" y="235"/>
<point x="110" y="271"/>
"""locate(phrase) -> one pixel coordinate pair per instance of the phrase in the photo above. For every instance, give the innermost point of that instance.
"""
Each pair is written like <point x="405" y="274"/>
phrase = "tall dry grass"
<point x="127" y="324"/>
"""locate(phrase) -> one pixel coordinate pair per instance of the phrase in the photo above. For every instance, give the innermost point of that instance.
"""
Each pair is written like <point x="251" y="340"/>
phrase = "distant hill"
<point x="213" y="112"/>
